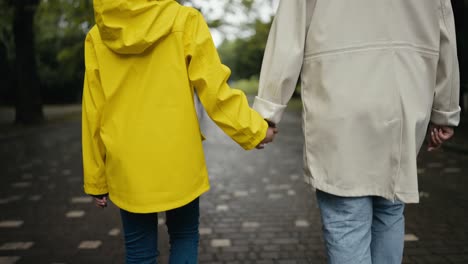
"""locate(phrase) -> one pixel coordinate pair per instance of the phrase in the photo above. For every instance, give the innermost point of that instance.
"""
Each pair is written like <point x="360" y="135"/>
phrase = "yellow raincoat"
<point x="141" y="136"/>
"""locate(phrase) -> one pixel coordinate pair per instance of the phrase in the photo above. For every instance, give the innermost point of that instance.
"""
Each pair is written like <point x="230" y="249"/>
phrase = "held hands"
<point x="270" y="135"/>
<point x="437" y="135"/>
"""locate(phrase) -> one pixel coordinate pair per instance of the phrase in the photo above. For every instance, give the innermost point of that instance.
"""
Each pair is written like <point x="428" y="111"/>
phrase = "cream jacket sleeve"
<point x="446" y="109"/>
<point x="228" y="107"/>
<point x="94" y="151"/>
<point x="283" y="58"/>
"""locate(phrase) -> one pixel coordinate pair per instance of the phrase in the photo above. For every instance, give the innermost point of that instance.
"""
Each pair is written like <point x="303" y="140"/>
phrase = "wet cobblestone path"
<point x="259" y="210"/>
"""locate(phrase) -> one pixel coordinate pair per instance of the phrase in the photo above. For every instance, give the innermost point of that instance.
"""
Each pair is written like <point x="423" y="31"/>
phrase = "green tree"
<point x="62" y="26"/>
<point x="244" y="55"/>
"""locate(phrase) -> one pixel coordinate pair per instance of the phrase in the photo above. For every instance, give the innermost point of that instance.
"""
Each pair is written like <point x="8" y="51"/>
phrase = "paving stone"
<point x="250" y="225"/>
<point x="114" y="232"/>
<point x="411" y="238"/>
<point x="16" y="245"/>
<point x="11" y="223"/>
<point x="451" y="170"/>
<point x="21" y="184"/>
<point x="222" y="208"/>
<point x="205" y="231"/>
<point x="90" y="244"/>
<point x="75" y="214"/>
<point x="35" y="198"/>
<point x="241" y="193"/>
<point x="220" y="243"/>
<point x="9" y="259"/>
<point x="82" y="199"/>
<point x="302" y="223"/>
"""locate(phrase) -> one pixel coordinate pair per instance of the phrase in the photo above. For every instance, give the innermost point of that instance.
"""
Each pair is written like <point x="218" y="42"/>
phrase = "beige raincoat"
<point x="374" y="73"/>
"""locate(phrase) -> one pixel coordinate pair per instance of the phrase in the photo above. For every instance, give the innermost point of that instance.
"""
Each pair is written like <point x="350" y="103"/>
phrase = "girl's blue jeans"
<point x="141" y="235"/>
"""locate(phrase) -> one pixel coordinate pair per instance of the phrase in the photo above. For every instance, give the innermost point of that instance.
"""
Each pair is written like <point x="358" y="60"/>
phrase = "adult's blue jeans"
<point x="141" y="235"/>
<point x="362" y="230"/>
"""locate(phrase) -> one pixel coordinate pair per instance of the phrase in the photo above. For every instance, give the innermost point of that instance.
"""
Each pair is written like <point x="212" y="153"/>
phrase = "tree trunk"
<point x="28" y="100"/>
<point x="460" y="8"/>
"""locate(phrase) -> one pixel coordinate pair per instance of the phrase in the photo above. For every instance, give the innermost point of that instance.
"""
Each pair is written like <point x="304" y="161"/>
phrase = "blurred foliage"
<point x="251" y="49"/>
<point x="61" y="27"/>
<point x="248" y="86"/>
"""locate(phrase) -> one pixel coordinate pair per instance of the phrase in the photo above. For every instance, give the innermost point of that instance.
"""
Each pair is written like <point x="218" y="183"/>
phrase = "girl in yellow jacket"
<point x="141" y="138"/>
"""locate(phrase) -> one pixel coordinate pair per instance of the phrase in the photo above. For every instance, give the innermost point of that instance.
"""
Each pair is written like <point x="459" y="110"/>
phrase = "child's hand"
<point x="271" y="132"/>
<point x="100" y="200"/>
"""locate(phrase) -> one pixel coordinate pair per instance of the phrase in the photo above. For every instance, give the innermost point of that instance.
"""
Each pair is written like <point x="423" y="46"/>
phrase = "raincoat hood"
<point x="131" y="26"/>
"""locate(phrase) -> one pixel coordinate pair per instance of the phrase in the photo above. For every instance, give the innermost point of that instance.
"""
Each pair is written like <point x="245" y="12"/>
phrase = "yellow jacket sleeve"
<point x="94" y="152"/>
<point x="227" y="107"/>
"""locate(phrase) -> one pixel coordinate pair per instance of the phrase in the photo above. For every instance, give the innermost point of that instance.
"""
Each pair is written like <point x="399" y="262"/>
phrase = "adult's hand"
<point x="437" y="135"/>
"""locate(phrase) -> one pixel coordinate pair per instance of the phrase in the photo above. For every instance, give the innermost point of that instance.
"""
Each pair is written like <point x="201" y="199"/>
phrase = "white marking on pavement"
<point x="294" y="177"/>
<point x="75" y="214"/>
<point x="21" y="184"/>
<point x="82" y="199"/>
<point x="220" y="243"/>
<point x="411" y="238"/>
<point x="11" y="223"/>
<point x="241" y="193"/>
<point x="423" y="195"/>
<point x="205" y="231"/>
<point x="90" y="244"/>
<point x="275" y="196"/>
<point x="250" y="225"/>
<point x="17" y="245"/>
<point x="222" y="208"/>
<point x="302" y="223"/>
<point x="224" y="197"/>
<point x="9" y="259"/>
<point x="114" y="232"/>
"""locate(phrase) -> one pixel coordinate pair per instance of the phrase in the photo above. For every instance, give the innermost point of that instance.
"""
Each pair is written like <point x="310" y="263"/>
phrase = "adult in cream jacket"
<point x="374" y="74"/>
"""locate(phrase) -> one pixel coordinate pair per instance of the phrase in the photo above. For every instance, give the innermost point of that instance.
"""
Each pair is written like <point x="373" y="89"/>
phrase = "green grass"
<point x="248" y="86"/>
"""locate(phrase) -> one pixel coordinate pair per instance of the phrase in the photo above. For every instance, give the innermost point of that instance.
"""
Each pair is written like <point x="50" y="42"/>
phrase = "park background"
<point x="258" y="211"/>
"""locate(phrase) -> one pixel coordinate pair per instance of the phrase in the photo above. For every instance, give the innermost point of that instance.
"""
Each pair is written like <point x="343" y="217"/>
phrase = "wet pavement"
<point x="259" y="210"/>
